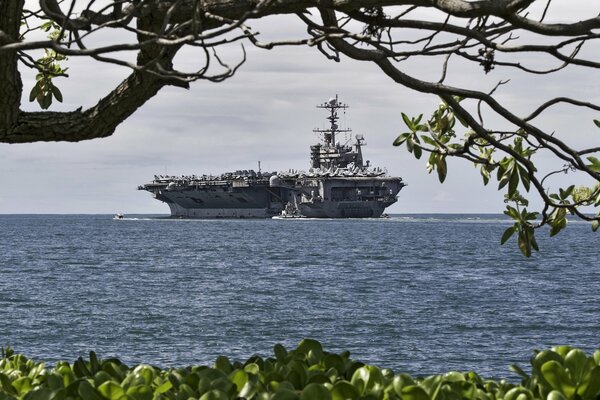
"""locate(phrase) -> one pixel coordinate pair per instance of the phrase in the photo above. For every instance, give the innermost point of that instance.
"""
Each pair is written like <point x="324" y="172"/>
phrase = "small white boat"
<point x="288" y="217"/>
<point x="119" y="216"/>
<point x="289" y="212"/>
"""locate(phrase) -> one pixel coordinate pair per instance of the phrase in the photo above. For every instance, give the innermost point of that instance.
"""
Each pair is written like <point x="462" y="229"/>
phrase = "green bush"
<point x="307" y="372"/>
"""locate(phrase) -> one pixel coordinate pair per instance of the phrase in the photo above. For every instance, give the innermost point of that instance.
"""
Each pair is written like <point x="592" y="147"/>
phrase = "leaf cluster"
<point x="304" y="373"/>
<point x="433" y="136"/>
<point x="514" y="170"/>
<point x="48" y="67"/>
<point x="561" y="373"/>
<point x="524" y="229"/>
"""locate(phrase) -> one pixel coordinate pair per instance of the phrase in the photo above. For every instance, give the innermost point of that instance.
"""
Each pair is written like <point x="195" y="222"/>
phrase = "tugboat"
<point x="339" y="184"/>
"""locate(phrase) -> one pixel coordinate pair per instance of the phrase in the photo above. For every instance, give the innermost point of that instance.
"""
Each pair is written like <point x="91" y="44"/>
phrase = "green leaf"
<point x="367" y="379"/>
<point x="297" y="375"/>
<point x="407" y="121"/>
<point x="401" y="139"/>
<point x="343" y="390"/>
<point x="454" y="376"/>
<point x="5" y="384"/>
<point x="597" y="123"/>
<point x="418" y="152"/>
<point x="524" y="177"/>
<point x="111" y="390"/>
<point x="429" y="141"/>
<point x="334" y="361"/>
<point x="519" y="371"/>
<point x="442" y="169"/>
<point x="595" y="225"/>
<point x="556" y="395"/>
<point x="591" y="389"/>
<point x="568" y="191"/>
<point x="577" y="365"/>
<point x="140" y="392"/>
<point x="485" y="174"/>
<point x="414" y="393"/>
<point x="224" y="385"/>
<point x="252" y="368"/>
<point x="239" y="378"/>
<point x="518" y="393"/>
<point x="249" y="390"/>
<point x="595" y="164"/>
<point x="40" y="394"/>
<point x="433" y="385"/>
<point x="558" y="226"/>
<point x="513" y="182"/>
<point x="431" y="162"/>
<point x="507" y="234"/>
<point x="87" y="391"/>
<point x="164" y="387"/>
<point x="223" y="364"/>
<point x="22" y="385"/>
<point x="318" y="377"/>
<point x="501" y="172"/>
<point x="400" y="381"/>
<point x="284" y="394"/>
<point x="409" y="145"/>
<point x="543" y="357"/>
<point x="214" y="395"/>
<point x="94" y="363"/>
<point x="315" y="391"/>
<point x="524" y="244"/>
<point x="112" y="368"/>
<point x="45" y="101"/>
<point x="56" y="92"/>
<point x="80" y="369"/>
<point x="34" y="92"/>
<point x="55" y="381"/>
<point x="533" y="242"/>
<point x="280" y="351"/>
<point x="145" y="373"/>
<point x="557" y="377"/>
<point x="505" y="179"/>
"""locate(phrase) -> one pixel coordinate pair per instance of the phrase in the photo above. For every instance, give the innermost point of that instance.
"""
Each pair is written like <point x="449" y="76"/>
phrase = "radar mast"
<point x="332" y="105"/>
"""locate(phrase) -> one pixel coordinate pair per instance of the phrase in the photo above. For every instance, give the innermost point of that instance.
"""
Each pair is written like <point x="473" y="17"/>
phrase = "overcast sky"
<point x="267" y="113"/>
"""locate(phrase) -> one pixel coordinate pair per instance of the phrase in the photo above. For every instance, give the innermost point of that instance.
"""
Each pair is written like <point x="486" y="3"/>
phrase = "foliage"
<point x="307" y="372"/>
<point x="514" y="171"/>
<point x="48" y="67"/>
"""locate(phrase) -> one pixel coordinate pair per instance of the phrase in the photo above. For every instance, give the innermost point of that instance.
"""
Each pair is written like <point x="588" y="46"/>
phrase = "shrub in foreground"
<point x="304" y="373"/>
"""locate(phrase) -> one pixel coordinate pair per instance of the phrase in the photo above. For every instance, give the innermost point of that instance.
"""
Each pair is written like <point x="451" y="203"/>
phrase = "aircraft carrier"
<point x="339" y="184"/>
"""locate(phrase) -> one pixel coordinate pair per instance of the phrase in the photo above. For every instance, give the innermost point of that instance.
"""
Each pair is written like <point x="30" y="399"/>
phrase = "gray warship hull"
<point x="342" y="209"/>
<point x="226" y="198"/>
<point x="338" y="185"/>
<point x="351" y="198"/>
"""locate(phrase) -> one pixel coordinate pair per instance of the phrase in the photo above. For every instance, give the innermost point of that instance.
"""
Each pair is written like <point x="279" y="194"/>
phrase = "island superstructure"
<point x="338" y="184"/>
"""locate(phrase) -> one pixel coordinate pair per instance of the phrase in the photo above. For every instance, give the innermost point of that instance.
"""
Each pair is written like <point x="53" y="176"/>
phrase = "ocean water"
<point x="420" y="294"/>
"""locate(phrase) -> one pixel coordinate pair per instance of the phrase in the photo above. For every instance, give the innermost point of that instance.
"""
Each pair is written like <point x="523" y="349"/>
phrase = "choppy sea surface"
<point x="420" y="294"/>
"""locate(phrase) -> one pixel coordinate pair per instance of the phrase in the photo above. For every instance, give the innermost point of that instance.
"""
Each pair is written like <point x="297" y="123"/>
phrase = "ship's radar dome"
<point x="332" y="101"/>
<point x="171" y="186"/>
<point x="274" y="181"/>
